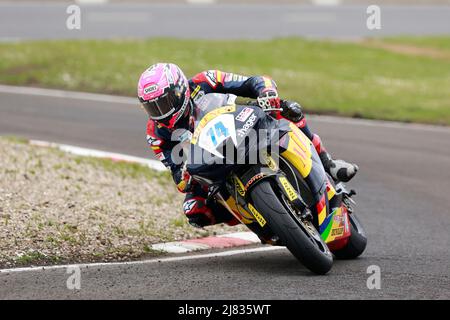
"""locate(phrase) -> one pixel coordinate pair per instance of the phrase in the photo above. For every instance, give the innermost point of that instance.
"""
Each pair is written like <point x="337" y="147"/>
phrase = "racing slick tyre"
<point x="356" y="243"/>
<point x="301" y="238"/>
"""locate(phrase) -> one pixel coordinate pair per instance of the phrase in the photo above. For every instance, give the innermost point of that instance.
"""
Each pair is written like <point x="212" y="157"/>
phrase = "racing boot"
<point x="200" y="214"/>
<point x="339" y="170"/>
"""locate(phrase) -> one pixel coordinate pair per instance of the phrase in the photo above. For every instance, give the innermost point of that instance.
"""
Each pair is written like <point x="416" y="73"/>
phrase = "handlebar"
<point x="255" y="104"/>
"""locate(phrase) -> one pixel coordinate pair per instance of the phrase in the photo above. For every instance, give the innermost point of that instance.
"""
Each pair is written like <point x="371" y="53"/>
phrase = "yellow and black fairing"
<point x="213" y="171"/>
<point x="304" y="170"/>
<point x="296" y="154"/>
<point x="300" y="177"/>
<point x="239" y="187"/>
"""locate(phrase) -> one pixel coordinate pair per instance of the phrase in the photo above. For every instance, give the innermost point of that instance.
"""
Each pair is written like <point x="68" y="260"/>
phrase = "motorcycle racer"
<point x="168" y="97"/>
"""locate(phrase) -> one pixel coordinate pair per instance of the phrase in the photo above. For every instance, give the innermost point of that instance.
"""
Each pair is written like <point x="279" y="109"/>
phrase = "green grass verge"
<point x="435" y="42"/>
<point x="350" y="79"/>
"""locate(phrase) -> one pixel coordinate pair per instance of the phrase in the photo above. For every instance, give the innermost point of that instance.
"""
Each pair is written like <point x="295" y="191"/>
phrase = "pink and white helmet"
<point x="163" y="90"/>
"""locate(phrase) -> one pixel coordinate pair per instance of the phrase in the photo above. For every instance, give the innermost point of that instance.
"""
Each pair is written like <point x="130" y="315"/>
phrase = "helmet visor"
<point x="162" y="107"/>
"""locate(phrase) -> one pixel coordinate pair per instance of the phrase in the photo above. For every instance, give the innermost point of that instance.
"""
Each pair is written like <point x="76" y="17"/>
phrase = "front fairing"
<point x="224" y="135"/>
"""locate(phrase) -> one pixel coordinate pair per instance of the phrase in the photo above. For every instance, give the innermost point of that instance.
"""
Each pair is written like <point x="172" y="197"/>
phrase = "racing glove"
<point x="291" y="111"/>
<point x="185" y="184"/>
<point x="268" y="99"/>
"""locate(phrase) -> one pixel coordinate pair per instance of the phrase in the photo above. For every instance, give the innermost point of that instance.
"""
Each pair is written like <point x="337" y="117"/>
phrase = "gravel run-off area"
<point x="61" y="208"/>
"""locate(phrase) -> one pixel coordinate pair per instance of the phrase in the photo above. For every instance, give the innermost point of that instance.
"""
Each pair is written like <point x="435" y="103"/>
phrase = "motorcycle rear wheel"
<point x="356" y="243"/>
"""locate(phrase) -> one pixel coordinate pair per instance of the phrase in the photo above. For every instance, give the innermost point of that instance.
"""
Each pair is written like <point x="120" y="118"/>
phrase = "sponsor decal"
<point x="238" y="77"/>
<point x="153" y="141"/>
<point x="211" y="78"/>
<point x="337" y="232"/>
<point x="338" y="218"/>
<point x="199" y="96"/>
<point x="345" y="220"/>
<point x="185" y="136"/>
<point x="208" y="117"/>
<point x="262" y="222"/>
<point x="252" y="180"/>
<point x="150" y="89"/>
<point x="188" y="205"/>
<point x="196" y="90"/>
<point x="239" y="186"/>
<point x="249" y="124"/>
<point x="234" y="77"/>
<point x="292" y="195"/>
<point x="244" y="114"/>
<point x="271" y="163"/>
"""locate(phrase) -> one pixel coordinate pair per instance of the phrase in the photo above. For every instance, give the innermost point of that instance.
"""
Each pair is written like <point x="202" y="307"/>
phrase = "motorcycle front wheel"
<point x="300" y="237"/>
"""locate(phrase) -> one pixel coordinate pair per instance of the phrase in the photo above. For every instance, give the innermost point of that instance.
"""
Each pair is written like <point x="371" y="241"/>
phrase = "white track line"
<point x="134" y="101"/>
<point x="91" y="1"/>
<point x="170" y="259"/>
<point x="201" y="1"/>
<point x="68" y="94"/>
<point x="153" y="164"/>
<point x="326" y="2"/>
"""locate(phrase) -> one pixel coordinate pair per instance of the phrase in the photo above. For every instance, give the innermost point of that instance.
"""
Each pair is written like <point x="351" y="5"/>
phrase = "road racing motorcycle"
<point x="284" y="196"/>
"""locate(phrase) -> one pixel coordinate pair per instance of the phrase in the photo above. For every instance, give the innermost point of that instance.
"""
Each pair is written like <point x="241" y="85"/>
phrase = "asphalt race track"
<point x="402" y="200"/>
<point x="24" y="21"/>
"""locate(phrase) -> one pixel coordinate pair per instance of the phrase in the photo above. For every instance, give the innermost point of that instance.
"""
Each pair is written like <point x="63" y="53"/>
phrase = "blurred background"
<point x="321" y="52"/>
